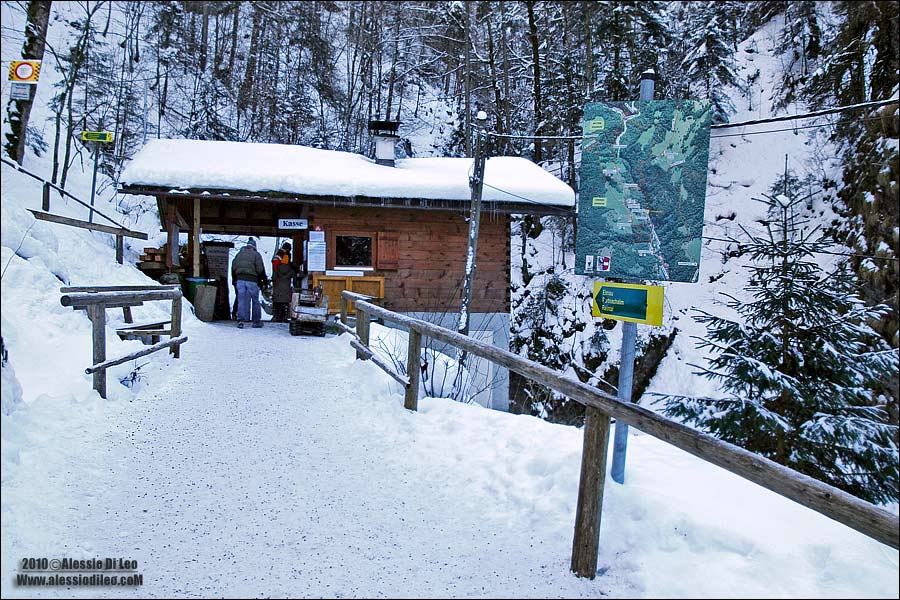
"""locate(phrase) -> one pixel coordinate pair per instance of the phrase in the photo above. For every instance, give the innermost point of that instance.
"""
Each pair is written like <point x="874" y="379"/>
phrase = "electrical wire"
<point x="529" y="200"/>
<point x="816" y="252"/>
<point x="795" y="128"/>
<point x="810" y="115"/>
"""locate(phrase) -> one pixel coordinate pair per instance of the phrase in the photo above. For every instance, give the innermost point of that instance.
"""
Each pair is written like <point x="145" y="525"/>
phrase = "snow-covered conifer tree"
<point x="797" y="365"/>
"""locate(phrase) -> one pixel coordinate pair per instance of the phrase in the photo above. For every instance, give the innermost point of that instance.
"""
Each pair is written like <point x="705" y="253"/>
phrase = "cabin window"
<point x="354" y="251"/>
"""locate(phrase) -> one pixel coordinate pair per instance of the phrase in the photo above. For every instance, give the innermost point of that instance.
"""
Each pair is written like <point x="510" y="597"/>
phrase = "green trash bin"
<point x="191" y="285"/>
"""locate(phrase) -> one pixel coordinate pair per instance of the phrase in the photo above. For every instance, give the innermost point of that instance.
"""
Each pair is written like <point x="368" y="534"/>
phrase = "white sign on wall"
<point x="316" y="256"/>
<point x="293" y="224"/>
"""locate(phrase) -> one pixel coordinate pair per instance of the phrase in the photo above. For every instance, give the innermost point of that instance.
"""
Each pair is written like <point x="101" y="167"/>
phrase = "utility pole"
<point x="629" y="339"/>
<point x="476" y="183"/>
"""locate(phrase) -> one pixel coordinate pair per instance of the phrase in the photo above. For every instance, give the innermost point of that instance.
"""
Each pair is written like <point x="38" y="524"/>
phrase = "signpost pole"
<point x="94" y="181"/>
<point x="629" y="340"/>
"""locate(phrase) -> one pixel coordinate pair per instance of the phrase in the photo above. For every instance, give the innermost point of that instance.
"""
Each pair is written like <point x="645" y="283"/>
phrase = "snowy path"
<point x="265" y="465"/>
<point x="300" y="486"/>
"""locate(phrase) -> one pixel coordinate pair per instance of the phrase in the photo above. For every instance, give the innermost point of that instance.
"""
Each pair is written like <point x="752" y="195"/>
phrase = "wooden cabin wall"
<point x="431" y="255"/>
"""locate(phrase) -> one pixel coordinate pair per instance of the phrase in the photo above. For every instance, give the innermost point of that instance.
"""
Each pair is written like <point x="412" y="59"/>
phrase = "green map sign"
<point x="643" y="189"/>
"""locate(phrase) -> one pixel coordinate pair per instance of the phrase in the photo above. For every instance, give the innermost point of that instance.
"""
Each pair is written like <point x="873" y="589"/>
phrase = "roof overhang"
<point x="245" y="196"/>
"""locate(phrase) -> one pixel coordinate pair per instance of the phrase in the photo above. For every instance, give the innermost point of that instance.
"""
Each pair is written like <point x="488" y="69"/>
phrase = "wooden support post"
<point x="362" y="331"/>
<point x="586" y="544"/>
<point x="195" y="239"/>
<point x="344" y="309"/>
<point x="126" y="312"/>
<point x="120" y="249"/>
<point x="97" y="314"/>
<point x="45" y="202"/>
<point x="176" y="324"/>
<point x="413" y="367"/>
<point x="172" y="256"/>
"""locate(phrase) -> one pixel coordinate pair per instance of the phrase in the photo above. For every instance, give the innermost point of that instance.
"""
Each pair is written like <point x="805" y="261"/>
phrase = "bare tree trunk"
<point x="204" y="36"/>
<point x="246" y="91"/>
<point x="536" y="58"/>
<point x="19" y="111"/>
<point x="234" y="41"/>
<point x="468" y="88"/>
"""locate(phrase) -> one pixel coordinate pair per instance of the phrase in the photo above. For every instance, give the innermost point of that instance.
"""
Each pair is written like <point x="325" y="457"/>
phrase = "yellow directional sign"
<point x="24" y="71"/>
<point x="628" y="302"/>
<point x="97" y="136"/>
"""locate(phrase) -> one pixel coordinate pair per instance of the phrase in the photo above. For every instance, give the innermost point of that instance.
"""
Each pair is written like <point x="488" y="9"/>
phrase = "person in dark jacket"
<point x="282" y="278"/>
<point x="247" y="271"/>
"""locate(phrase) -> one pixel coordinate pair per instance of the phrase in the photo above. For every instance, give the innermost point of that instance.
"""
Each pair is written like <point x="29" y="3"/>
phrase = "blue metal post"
<point x="629" y="338"/>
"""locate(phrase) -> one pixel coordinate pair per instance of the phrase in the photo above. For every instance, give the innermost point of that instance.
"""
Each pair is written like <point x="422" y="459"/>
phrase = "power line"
<point x="794" y="128"/>
<point x="818" y="113"/>
<point x="810" y="115"/>
<point x="815" y="252"/>
<point x="529" y="200"/>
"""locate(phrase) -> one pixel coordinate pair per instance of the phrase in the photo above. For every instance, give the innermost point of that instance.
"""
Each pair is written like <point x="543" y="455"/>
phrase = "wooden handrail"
<point x="99" y="298"/>
<point x="118" y="361"/>
<point x="830" y="501"/>
<point x="19" y="168"/>
<point x="89" y="298"/>
<point x="115" y="288"/>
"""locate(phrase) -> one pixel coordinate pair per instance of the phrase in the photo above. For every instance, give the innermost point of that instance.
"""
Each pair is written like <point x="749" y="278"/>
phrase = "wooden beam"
<point x="86" y="225"/>
<point x="367" y="354"/>
<point x="586" y="542"/>
<point x="115" y="288"/>
<point x="195" y="239"/>
<point x="413" y="368"/>
<point x="173" y="258"/>
<point x="102" y="366"/>
<point x="97" y="314"/>
<point x="461" y="205"/>
<point x="124" y="298"/>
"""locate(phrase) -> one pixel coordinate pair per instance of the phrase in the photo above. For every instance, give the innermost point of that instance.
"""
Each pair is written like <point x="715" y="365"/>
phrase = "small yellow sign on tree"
<point x="97" y="136"/>
<point x="24" y="71"/>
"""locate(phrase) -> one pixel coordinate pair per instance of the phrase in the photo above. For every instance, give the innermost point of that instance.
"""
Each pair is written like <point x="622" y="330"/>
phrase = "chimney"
<point x="385" y="134"/>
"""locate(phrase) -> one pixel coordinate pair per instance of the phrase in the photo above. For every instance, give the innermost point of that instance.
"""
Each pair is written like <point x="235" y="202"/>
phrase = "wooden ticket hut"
<point x="392" y="229"/>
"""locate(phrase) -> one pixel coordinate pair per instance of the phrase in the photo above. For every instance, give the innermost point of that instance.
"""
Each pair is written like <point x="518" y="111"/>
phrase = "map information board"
<point x="643" y="189"/>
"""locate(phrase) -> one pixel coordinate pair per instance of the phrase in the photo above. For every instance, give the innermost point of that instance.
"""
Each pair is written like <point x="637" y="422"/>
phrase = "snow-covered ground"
<point x="262" y="464"/>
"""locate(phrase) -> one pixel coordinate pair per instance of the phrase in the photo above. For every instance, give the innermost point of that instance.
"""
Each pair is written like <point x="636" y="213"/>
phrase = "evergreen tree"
<point x="709" y="66"/>
<point x="798" y="366"/>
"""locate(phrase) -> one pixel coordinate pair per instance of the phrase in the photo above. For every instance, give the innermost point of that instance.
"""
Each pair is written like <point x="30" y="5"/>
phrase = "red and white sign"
<point x="25" y="71"/>
<point x="603" y="263"/>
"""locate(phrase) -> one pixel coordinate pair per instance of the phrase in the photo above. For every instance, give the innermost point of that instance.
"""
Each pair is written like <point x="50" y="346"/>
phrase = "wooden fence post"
<point x="97" y="314"/>
<point x="344" y="309"/>
<point x="362" y="330"/>
<point x="45" y="201"/>
<point x="413" y="366"/>
<point x="586" y="544"/>
<point x="120" y="249"/>
<point x="176" y="324"/>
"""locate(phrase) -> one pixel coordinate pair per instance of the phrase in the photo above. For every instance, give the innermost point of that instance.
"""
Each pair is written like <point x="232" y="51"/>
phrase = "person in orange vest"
<point x="284" y="251"/>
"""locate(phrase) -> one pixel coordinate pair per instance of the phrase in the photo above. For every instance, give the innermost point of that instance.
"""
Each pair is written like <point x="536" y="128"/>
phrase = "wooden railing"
<point x="96" y="299"/>
<point x="832" y="502"/>
<point x="117" y="229"/>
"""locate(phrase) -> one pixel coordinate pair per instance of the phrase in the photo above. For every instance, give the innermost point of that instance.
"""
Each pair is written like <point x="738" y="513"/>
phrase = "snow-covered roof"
<point x="193" y="164"/>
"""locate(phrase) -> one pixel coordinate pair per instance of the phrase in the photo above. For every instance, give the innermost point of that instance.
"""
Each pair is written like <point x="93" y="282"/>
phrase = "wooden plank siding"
<point x="431" y="255"/>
